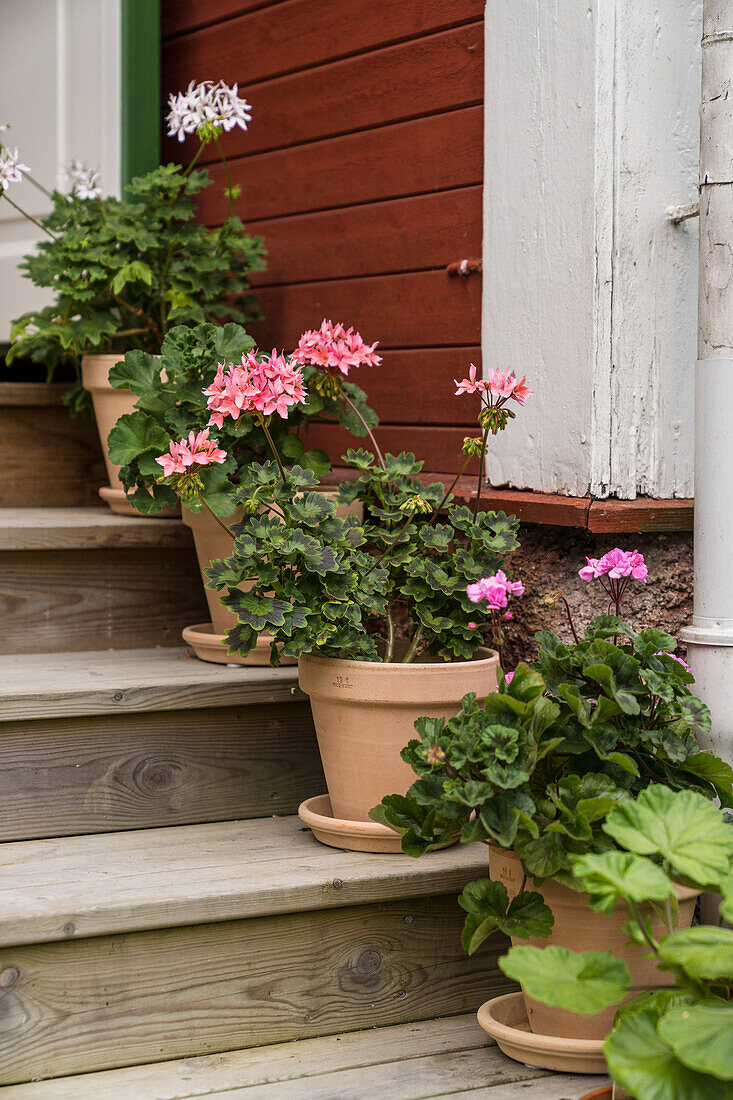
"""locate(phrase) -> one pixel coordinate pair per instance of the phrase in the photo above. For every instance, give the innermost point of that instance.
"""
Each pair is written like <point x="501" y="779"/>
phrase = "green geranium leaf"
<point x="150" y="501"/>
<point x="488" y="907"/>
<point x="705" y="765"/>
<point x="703" y="952"/>
<point x="311" y="509"/>
<point x="133" y="435"/>
<point x="502" y="812"/>
<point x="138" y="372"/>
<point x="579" y="981"/>
<point x="528" y="916"/>
<point x="641" y="1062"/>
<point x="683" y="827"/>
<point x="695" y="713"/>
<point x="726" y="905"/>
<point x="651" y="641"/>
<point x="701" y="1037"/>
<point x="610" y="876"/>
<point x="542" y="856"/>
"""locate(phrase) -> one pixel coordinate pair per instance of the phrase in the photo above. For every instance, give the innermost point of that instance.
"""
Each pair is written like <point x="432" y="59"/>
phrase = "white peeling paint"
<point x="589" y="288"/>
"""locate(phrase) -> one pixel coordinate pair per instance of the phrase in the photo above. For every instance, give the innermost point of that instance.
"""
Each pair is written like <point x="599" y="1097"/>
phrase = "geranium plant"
<point x="675" y="1040"/>
<point x="540" y="764"/>
<point x="124" y="271"/>
<point x="212" y="383"/>
<point x="337" y="587"/>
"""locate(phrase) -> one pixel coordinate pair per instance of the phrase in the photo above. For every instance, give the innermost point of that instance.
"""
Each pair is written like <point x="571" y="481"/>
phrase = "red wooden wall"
<point x="362" y="168"/>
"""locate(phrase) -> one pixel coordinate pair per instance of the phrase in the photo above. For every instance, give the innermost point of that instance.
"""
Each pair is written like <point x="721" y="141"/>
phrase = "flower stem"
<point x="190" y="168"/>
<point x="25" y="214"/>
<point x="214" y="516"/>
<point x="414" y="645"/>
<point x="389" y="652"/>
<point x="480" y="476"/>
<point x="570" y="617"/>
<point x="227" y="173"/>
<point x="368" y="430"/>
<point x="39" y="186"/>
<point x="274" y="449"/>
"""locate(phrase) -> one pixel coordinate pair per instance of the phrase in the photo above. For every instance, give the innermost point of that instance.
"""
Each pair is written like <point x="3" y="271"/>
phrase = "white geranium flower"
<point x="11" y="169"/>
<point x="206" y="105"/>
<point x="84" y="181"/>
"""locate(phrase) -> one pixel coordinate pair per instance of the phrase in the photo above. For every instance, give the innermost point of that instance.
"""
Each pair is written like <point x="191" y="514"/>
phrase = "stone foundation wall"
<point x="550" y="557"/>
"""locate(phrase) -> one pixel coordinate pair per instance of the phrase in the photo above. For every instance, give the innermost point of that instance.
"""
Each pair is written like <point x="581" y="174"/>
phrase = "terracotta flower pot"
<point x="109" y="405"/>
<point x="365" y="712"/>
<point x="580" y="928"/>
<point x="606" y="1093"/>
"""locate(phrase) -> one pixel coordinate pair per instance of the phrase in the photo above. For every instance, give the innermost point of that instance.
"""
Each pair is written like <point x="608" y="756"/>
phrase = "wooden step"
<point x="83" y="578"/>
<point x="96" y="742"/>
<point x="146" y="946"/>
<point x="49" y="457"/>
<point x="448" y="1057"/>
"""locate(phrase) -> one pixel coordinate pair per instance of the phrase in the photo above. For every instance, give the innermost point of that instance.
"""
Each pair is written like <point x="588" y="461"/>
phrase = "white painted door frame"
<point x="60" y="88"/>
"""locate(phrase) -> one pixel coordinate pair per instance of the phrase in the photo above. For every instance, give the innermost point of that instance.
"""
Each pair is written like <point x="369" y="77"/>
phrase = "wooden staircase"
<point x="161" y="907"/>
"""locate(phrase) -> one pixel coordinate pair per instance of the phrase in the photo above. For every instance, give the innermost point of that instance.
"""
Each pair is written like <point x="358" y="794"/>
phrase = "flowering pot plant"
<point x="213" y="379"/>
<point x="536" y="768"/>
<point x="349" y="597"/>
<point x="675" y="1040"/>
<point x="123" y="271"/>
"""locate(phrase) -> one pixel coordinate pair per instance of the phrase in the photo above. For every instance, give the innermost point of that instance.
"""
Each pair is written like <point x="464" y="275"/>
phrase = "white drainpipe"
<point x="710" y="639"/>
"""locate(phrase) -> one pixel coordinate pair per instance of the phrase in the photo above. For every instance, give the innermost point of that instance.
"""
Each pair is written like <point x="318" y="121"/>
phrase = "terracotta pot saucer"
<point x="209" y="646"/>
<point x="355" y="836"/>
<point x="120" y="505"/>
<point x="505" y="1020"/>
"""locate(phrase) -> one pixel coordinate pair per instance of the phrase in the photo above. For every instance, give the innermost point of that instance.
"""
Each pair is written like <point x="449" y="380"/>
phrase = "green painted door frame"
<point x="141" y="117"/>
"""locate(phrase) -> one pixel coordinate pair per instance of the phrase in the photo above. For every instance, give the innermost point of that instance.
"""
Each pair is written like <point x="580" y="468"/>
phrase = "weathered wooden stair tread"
<point x="86" y="529"/>
<point x="56" y="685"/>
<point x="74" y="887"/>
<point x="436" y="1058"/>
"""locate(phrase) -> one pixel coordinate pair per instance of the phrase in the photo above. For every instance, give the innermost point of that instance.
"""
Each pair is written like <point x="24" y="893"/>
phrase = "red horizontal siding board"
<point x="298" y="34"/>
<point x="180" y="16"/>
<point x="417" y="387"/>
<point x="440" y="448"/>
<point x="422" y="77"/>
<point x="411" y="234"/>
<point x="420" y="309"/>
<point x="424" y="155"/>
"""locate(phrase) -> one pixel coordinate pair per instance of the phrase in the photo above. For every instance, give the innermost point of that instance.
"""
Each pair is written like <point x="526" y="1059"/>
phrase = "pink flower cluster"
<point x="266" y="385"/>
<point x="616" y="563"/>
<point x="199" y="451"/>
<point x="500" y="384"/>
<point x="495" y="590"/>
<point x="333" y="347"/>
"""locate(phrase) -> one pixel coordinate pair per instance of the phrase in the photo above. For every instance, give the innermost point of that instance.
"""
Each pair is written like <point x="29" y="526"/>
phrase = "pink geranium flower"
<point x="616" y="563"/>
<point x="470" y="384"/>
<point x="494" y="590"/>
<point x="199" y="450"/>
<point x="499" y="386"/>
<point x="335" y="348"/>
<point x="267" y="384"/>
<point x="615" y="570"/>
